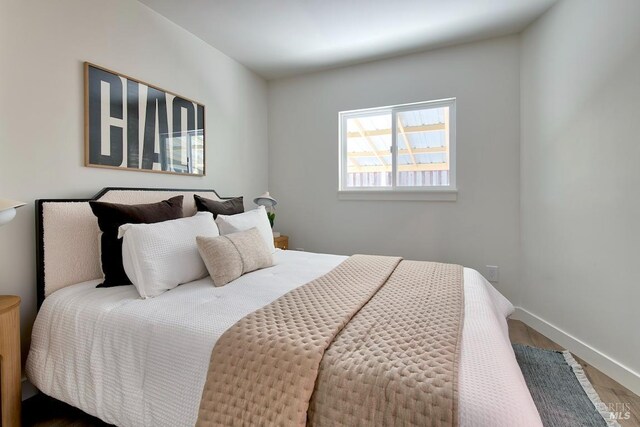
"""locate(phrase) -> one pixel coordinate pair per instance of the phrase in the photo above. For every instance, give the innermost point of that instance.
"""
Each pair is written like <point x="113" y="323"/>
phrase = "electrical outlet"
<point x="493" y="272"/>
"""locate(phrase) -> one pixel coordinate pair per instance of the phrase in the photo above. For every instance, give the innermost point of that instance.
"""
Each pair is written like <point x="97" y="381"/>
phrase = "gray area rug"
<point x="560" y="389"/>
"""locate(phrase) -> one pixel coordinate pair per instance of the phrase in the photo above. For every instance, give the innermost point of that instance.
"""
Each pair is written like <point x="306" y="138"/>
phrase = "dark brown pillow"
<point x="228" y="207"/>
<point x="111" y="216"/>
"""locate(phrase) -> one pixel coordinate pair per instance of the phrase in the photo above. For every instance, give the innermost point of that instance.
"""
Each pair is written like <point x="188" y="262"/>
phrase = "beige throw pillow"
<point x="232" y="255"/>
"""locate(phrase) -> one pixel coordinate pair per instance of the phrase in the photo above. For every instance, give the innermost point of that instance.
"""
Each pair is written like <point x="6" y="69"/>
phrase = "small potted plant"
<point x="272" y="217"/>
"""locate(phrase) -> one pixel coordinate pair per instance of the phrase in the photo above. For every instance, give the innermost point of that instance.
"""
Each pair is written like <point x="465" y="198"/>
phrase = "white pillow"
<point x="158" y="257"/>
<point x="244" y="221"/>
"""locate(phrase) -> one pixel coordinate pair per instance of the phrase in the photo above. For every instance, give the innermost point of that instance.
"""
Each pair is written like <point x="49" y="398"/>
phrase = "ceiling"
<point x="277" y="38"/>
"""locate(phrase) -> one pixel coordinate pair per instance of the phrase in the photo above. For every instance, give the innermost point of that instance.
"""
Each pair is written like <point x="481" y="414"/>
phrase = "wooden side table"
<point x="10" y="362"/>
<point x="281" y="242"/>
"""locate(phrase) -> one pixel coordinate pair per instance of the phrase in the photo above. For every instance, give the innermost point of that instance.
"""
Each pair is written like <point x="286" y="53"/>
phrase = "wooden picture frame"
<point x="132" y="125"/>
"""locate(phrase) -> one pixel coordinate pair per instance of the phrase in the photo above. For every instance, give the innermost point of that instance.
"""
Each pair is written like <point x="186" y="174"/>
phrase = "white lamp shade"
<point x="265" y="200"/>
<point x="8" y="210"/>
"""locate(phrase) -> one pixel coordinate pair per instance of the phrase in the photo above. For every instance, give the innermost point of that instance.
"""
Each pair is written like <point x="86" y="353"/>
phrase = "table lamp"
<point x="8" y="210"/>
<point x="269" y="203"/>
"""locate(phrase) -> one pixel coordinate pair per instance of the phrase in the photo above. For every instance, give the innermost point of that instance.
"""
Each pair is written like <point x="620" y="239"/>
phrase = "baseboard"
<point x="609" y="366"/>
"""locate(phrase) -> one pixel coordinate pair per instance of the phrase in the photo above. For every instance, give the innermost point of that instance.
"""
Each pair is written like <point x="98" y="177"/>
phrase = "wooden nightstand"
<point x="281" y="242"/>
<point x="11" y="369"/>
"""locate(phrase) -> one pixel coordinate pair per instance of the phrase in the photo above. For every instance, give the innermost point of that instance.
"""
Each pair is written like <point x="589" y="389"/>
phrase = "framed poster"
<point x="132" y="125"/>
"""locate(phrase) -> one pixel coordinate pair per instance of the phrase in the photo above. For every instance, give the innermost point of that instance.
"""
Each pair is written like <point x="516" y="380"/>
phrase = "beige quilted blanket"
<point x="373" y="342"/>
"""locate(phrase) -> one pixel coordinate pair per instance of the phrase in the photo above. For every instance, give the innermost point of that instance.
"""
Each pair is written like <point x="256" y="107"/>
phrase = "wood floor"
<point x="42" y="411"/>
<point x="610" y="391"/>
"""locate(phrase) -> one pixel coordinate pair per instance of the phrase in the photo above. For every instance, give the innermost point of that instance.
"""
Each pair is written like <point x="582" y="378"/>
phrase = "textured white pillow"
<point x="241" y="222"/>
<point x="158" y="257"/>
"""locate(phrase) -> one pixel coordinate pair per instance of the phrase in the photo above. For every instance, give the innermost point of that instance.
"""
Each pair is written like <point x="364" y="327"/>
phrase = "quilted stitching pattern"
<point x="114" y="355"/>
<point x="396" y="361"/>
<point x="263" y="369"/>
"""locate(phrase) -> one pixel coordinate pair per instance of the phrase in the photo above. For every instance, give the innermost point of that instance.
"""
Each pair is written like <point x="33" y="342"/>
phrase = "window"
<point x="400" y="149"/>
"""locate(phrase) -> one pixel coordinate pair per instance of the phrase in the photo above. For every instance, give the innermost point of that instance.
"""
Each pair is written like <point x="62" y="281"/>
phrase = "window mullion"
<point x="343" y="152"/>
<point x="394" y="149"/>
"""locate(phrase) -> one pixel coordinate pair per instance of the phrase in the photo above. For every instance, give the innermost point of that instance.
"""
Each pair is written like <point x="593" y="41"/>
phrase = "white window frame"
<point x="394" y="192"/>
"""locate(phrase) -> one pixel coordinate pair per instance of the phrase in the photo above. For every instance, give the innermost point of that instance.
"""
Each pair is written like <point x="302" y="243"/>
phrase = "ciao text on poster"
<point x="132" y="125"/>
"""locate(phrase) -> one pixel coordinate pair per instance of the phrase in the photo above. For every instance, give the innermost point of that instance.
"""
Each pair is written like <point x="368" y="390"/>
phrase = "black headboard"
<point x="104" y="193"/>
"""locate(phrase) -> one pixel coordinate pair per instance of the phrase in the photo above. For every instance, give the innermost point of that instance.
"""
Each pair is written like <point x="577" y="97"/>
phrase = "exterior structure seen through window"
<point x="399" y="148"/>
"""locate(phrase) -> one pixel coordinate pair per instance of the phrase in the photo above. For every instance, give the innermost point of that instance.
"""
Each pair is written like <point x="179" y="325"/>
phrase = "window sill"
<point x="432" y="195"/>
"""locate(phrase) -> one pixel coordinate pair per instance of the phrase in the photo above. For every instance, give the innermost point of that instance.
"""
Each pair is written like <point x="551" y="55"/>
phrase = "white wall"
<point x="580" y="177"/>
<point x="481" y="227"/>
<point x="42" y="47"/>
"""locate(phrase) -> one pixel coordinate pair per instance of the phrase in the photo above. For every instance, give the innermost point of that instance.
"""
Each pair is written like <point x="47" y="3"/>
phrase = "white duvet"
<point x="135" y="362"/>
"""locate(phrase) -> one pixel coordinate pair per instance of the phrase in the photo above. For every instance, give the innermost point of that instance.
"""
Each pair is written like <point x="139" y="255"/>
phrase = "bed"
<point x="135" y="362"/>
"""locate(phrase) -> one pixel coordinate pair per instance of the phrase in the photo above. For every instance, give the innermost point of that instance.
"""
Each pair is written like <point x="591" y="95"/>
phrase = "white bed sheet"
<point x="134" y="362"/>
